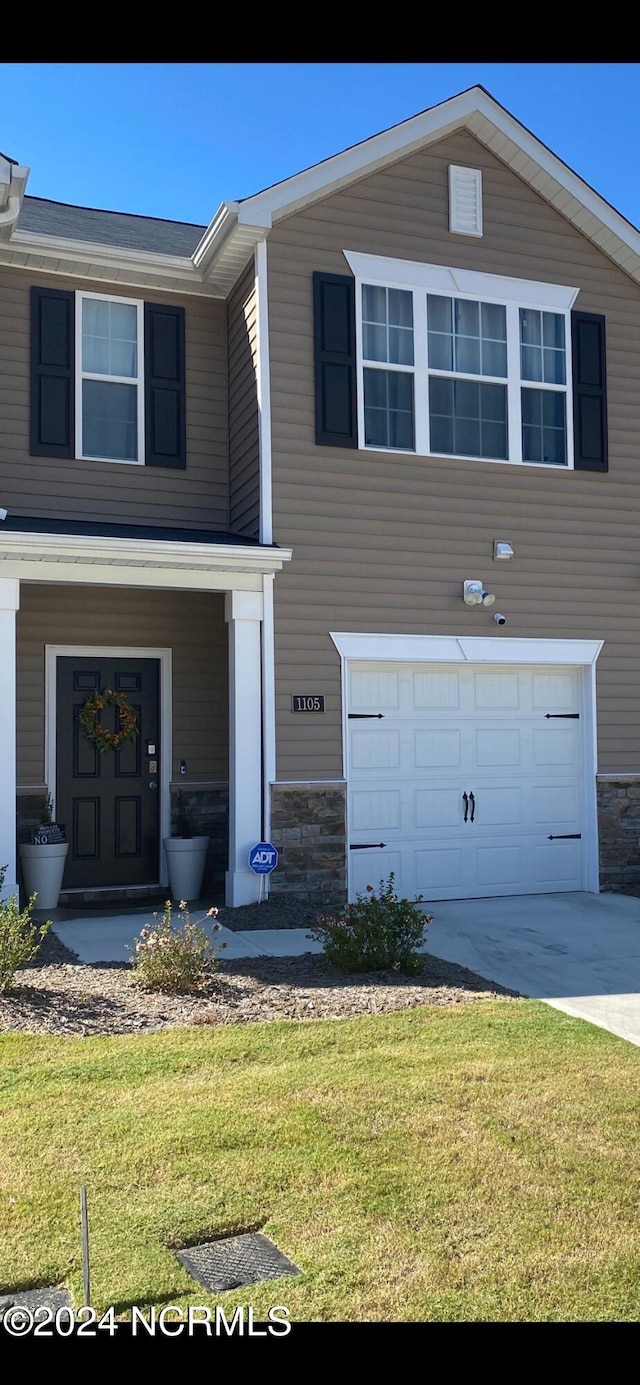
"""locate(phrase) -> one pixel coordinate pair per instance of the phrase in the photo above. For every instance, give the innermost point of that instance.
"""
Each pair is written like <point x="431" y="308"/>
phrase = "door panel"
<point x="109" y="801"/>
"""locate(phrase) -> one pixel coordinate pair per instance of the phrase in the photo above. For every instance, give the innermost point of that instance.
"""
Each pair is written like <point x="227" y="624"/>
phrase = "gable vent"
<point x="465" y="200"/>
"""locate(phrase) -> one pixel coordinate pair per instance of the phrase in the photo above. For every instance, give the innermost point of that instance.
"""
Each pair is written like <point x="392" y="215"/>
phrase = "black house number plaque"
<point x="307" y="702"/>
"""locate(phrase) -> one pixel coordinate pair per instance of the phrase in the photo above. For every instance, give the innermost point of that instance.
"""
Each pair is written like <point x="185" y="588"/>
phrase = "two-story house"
<point x="248" y="470"/>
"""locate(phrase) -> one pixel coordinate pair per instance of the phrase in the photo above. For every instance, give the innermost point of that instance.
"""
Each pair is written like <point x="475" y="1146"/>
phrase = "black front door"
<point x="109" y="800"/>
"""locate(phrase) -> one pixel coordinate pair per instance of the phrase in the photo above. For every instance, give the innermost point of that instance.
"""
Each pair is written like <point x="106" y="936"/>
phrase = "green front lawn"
<point x="459" y="1163"/>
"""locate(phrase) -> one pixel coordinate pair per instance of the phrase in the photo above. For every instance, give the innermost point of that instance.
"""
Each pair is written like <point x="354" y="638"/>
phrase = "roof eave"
<point x="475" y="110"/>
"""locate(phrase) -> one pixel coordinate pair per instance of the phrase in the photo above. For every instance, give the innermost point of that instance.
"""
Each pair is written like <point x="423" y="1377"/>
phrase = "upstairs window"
<point x="471" y="374"/>
<point x="387" y="332"/>
<point x="109" y="398"/>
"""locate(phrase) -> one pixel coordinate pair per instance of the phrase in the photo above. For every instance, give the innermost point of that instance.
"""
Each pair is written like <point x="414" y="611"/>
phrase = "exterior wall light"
<point x="474" y="594"/>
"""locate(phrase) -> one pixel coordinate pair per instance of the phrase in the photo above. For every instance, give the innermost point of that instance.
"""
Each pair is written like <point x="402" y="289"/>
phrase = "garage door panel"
<point x="374" y="690"/>
<point x="370" y="867"/>
<point x="496" y="691"/>
<point x="498" y="806"/>
<point x="498" y="746"/>
<point x="554" y="692"/>
<point x="437" y="807"/>
<point x="375" y="749"/>
<point x="499" y="866"/>
<point x="436" y="691"/>
<point x="554" y="805"/>
<point x="439" y="868"/>
<point x="376" y="810"/>
<point x="437" y="749"/>
<point x="556" y="745"/>
<point x="558" y="864"/>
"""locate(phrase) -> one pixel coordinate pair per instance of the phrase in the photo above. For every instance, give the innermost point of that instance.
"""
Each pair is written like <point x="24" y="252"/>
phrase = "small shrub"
<point x="184" y="821"/>
<point x="378" y="933"/>
<point x="20" y="937"/>
<point x="176" y="959"/>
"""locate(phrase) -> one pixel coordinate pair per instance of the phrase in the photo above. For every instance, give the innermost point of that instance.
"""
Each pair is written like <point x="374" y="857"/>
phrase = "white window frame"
<point x="512" y="294"/>
<point x="138" y="381"/>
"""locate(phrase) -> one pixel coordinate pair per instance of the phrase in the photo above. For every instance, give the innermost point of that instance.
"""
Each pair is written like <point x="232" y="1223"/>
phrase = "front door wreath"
<point x="94" y="729"/>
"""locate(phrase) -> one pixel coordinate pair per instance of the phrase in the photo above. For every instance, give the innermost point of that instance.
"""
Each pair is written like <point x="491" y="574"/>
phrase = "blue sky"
<point x="174" y="140"/>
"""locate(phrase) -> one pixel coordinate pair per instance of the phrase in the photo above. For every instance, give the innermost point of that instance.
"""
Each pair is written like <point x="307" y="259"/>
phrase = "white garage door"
<point x="465" y="780"/>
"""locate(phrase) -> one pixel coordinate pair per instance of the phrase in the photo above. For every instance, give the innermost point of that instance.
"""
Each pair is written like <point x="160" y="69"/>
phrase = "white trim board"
<point x="477" y="649"/>
<point x="268" y="710"/>
<point x="138" y="380"/>
<point x="164" y="656"/>
<point x="580" y="654"/>
<point x="160" y="563"/>
<point x="413" y="274"/>
<point x="263" y="384"/>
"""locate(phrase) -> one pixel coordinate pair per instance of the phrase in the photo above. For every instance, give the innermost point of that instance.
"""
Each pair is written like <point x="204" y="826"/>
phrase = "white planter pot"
<point x="43" y="868"/>
<point x="186" y="857"/>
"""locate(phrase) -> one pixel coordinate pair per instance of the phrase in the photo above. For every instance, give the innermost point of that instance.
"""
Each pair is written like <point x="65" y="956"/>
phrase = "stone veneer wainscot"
<point x="308" y="827"/>
<point x="619" y="830"/>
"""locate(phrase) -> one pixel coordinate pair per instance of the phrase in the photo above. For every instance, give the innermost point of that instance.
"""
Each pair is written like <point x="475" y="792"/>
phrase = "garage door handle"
<point x="465" y="800"/>
<point x="472" y="801"/>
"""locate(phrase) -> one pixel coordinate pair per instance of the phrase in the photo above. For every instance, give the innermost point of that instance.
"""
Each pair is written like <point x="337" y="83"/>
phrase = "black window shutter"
<point x="591" y="451"/>
<point x="52" y="372"/>
<point x="165" y="418"/>
<point x="335" y="359"/>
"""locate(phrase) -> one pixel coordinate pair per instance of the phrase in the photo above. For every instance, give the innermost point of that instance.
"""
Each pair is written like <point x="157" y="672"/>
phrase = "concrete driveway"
<point x="578" y="952"/>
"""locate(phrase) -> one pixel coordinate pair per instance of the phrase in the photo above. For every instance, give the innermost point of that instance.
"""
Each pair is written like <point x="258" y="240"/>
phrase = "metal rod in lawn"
<point x="84" y="1223"/>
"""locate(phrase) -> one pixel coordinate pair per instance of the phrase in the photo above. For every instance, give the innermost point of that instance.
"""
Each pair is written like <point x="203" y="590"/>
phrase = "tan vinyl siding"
<point x="382" y="542"/>
<point x="191" y="624"/>
<point x="244" y="476"/>
<point x="197" y="497"/>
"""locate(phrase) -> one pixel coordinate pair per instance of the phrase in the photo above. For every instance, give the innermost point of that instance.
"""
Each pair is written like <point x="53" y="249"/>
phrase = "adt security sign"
<point x="263" y="858"/>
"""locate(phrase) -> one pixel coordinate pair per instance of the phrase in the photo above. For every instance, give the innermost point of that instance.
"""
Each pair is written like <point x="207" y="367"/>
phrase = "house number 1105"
<point x="309" y="702"/>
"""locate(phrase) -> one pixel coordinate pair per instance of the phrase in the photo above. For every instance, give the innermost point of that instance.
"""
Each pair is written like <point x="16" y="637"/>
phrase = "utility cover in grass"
<point x="34" y="1299"/>
<point x="235" y="1261"/>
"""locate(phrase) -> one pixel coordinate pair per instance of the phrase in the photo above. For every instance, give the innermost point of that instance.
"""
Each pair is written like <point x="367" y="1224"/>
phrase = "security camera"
<point x="500" y="620"/>
<point x="3" y="513"/>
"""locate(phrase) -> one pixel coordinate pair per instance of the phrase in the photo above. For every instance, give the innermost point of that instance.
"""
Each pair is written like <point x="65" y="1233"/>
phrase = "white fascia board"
<point x="479" y="650"/>
<point x="565" y="176"/>
<point x="421" y="130"/>
<point x="441" y="279"/>
<point x="453" y="649"/>
<point x="333" y="173"/>
<point x="118" y="256"/>
<point x="219" y="228"/>
<point x="141" y="553"/>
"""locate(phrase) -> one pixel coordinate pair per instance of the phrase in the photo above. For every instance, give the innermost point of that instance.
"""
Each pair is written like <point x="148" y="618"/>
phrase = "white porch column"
<point x="244" y="612"/>
<point x="9" y="603"/>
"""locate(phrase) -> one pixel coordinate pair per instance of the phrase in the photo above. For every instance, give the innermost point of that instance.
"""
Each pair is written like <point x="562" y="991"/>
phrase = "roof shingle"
<point x="118" y="229"/>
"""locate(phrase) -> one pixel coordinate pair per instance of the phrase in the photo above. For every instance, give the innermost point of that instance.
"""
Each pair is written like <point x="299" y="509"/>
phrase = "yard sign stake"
<point x="84" y="1222"/>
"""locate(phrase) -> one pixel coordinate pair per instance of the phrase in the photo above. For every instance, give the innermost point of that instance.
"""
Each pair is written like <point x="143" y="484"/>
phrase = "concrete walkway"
<point x="578" y="952"/>
<point x="110" y="939"/>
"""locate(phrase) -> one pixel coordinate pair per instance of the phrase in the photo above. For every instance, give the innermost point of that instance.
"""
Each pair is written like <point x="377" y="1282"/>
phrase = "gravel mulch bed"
<point x="59" y="995"/>
<point x="274" y="912"/>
